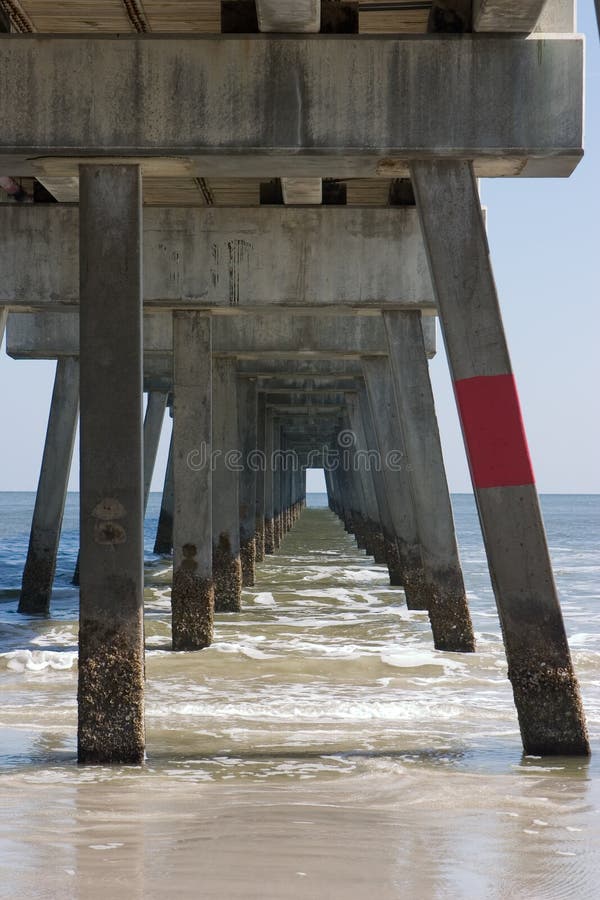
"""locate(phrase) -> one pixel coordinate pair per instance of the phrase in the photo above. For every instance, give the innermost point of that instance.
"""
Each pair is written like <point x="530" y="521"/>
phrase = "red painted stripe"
<point x="493" y="430"/>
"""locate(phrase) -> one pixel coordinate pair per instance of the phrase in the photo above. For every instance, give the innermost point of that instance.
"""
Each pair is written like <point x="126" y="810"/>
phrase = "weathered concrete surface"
<point x="111" y="639"/>
<point x="247" y="423"/>
<point x="232" y="258"/>
<point x="444" y="585"/>
<point x="558" y="17"/>
<point x="48" y="335"/>
<point x="540" y="669"/>
<point x="506" y="15"/>
<point x="192" y="594"/>
<point x="261" y="96"/>
<point x="164" y="531"/>
<point x="227" y="568"/>
<point x="153" y="420"/>
<point x="38" y="575"/>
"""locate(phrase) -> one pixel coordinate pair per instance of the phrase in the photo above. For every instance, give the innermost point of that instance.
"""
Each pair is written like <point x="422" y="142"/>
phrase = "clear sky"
<point x="545" y="244"/>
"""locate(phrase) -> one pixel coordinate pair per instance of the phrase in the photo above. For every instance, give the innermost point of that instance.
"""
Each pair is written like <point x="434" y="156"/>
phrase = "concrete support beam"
<point x="446" y="597"/>
<point x="506" y="15"/>
<point x="38" y="575"/>
<point x="155" y="413"/>
<point x="164" y="532"/>
<point x="192" y="595"/>
<point x="539" y="664"/>
<point x="292" y="368"/>
<point x="230" y="259"/>
<point x="247" y="422"/>
<point x="311" y="104"/>
<point x="3" y="317"/>
<point x="111" y="639"/>
<point x="291" y="336"/>
<point x="227" y="567"/>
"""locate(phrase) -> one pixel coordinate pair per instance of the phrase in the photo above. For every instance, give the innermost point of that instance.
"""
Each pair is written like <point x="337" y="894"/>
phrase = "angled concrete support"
<point x="111" y="639"/>
<point x="155" y="413"/>
<point x="38" y="575"/>
<point x="164" y="532"/>
<point x="446" y="597"/>
<point x="247" y="415"/>
<point x="539" y="664"/>
<point x="227" y="567"/>
<point x="3" y="317"/>
<point x="192" y="594"/>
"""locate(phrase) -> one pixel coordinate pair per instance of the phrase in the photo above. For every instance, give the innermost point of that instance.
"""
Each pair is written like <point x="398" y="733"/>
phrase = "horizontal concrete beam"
<point x="311" y="386"/>
<point x="306" y="400"/>
<point x="514" y="104"/>
<point x="275" y="368"/>
<point x="231" y="258"/>
<point x="49" y="335"/>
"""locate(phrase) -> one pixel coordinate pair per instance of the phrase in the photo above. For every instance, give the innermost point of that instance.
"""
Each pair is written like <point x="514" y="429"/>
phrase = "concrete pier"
<point x="287" y="302"/>
<point x="111" y="640"/>
<point x="539" y="664"/>
<point x="446" y="599"/>
<point x="192" y="594"/>
<point x="247" y="423"/>
<point x="38" y="575"/>
<point x="227" y="567"/>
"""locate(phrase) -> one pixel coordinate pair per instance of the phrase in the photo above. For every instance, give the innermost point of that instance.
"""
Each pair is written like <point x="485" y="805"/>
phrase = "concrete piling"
<point x="227" y="567"/>
<point x="38" y="574"/>
<point x="544" y="685"/>
<point x="192" y="593"/>
<point x="111" y="639"/>
<point x="269" y="477"/>
<point x="247" y="423"/>
<point x="258" y="461"/>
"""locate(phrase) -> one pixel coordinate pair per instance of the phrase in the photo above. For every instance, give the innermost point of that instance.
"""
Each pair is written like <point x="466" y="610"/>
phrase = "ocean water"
<point x="319" y="749"/>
